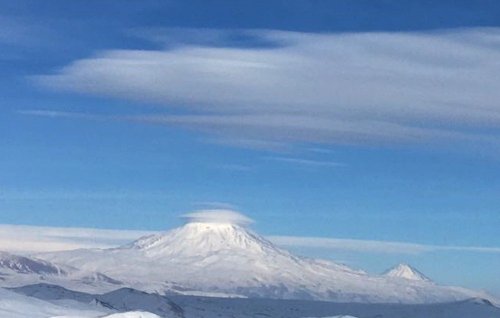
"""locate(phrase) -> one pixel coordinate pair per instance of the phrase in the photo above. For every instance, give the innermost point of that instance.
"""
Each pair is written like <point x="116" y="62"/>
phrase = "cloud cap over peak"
<point x="217" y="216"/>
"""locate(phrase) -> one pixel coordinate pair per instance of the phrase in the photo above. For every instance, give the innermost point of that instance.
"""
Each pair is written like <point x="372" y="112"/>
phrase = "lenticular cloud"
<point x="217" y="216"/>
<point x="353" y="88"/>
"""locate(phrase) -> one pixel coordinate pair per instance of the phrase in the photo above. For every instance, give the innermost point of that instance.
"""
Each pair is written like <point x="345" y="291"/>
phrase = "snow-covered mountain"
<point x="406" y="271"/>
<point x="222" y="257"/>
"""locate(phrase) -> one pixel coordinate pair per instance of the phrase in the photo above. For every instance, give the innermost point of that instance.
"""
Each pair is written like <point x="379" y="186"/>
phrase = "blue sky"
<point x="365" y="120"/>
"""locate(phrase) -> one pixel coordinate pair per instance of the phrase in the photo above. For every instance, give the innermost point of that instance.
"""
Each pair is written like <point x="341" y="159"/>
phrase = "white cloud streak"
<point x="371" y="246"/>
<point x="308" y="162"/>
<point x="34" y="239"/>
<point x="58" y="114"/>
<point x="323" y="88"/>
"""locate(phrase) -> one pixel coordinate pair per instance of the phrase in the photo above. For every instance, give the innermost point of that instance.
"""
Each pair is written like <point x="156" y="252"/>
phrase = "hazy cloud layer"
<point x="327" y="88"/>
<point x="33" y="239"/>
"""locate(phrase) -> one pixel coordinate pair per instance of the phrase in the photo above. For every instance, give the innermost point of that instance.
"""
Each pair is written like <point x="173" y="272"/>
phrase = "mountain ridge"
<point x="27" y="265"/>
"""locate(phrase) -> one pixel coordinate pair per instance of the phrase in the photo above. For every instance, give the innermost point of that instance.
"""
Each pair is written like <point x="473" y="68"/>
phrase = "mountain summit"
<point x="201" y="239"/>
<point x="207" y="233"/>
<point x="406" y="271"/>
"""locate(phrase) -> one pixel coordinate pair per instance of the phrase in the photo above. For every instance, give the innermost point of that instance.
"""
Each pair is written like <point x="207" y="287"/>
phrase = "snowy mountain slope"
<point x="126" y="299"/>
<point x="121" y="300"/>
<point x="26" y="265"/>
<point x="52" y="292"/>
<point x="13" y="305"/>
<point x="210" y="307"/>
<point x="223" y="257"/>
<point x="406" y="271"/>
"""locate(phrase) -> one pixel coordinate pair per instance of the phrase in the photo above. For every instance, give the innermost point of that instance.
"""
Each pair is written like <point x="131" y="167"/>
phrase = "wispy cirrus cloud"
<point x="308" y="162"/>
<point x="361" y="88"/>
<point x="61" y="114"/>
<point x="373" y="246"/>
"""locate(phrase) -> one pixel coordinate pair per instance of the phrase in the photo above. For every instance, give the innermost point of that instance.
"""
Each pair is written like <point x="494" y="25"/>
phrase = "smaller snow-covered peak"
<point x="407" y="272"/>
<point x="220" y="216"/>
